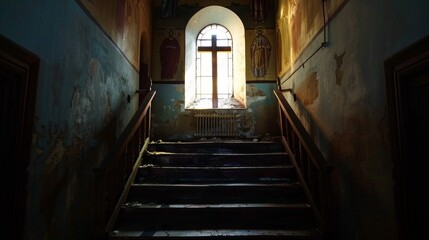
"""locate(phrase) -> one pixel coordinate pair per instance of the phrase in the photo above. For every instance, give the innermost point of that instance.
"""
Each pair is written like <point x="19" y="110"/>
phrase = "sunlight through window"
<point x="214" y="63"/>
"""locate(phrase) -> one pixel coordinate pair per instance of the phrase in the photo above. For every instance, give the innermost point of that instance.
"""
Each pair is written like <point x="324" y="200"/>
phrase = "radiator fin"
<point x="216" y="124"/>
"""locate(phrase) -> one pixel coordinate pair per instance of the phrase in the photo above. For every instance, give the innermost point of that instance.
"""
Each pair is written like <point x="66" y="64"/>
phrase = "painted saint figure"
<point x="260" y="51"/>
<point x="169" y="53"/>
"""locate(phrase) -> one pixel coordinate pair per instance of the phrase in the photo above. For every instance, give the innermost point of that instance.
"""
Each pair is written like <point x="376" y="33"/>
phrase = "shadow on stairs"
<point x="215" y="190"/>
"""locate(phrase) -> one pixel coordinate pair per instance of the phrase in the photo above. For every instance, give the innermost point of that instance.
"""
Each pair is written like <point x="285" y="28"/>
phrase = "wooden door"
<point x="407" y="81"/>
<point x="18" y="81"/>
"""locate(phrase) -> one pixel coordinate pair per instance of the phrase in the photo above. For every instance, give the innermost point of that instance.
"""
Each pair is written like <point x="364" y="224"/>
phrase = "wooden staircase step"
<point x="211" y="216"/>
<point x="207" y="180"/>
<point x="216" y="193"/>
<point x="216" y="159"/>
<point x="166" y="173"/>
<point x="218" y="146"/>
<point x="232" y="234"/>
<point x="215" y="190"/>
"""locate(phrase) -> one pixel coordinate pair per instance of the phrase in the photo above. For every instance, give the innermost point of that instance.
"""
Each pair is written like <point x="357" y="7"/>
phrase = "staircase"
<point x="215" y="190"/>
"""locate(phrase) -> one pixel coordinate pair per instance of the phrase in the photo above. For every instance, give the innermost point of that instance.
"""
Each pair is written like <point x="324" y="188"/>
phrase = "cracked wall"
<point x="171" y="121"/>
<point x="342" y="104"/>
<point x="85" y="97"/>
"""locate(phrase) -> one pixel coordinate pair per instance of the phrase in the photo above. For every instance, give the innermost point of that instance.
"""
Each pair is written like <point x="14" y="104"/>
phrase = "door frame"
<point x="19" y="70"/>
<point x="400" y="74"/>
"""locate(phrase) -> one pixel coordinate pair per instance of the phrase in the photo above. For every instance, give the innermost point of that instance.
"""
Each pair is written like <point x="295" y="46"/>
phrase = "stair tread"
<point x="217" y="205"/>
<point x="215" y="167"/>
<point x="206" y="185"/>
<point x="215" y="232"/>
<point x="213" y="152"/>
<point x="216" y="192"/>
<point x="208" y="180"/>
<point x="224" y="146"/>
<point x="161" y="153"/>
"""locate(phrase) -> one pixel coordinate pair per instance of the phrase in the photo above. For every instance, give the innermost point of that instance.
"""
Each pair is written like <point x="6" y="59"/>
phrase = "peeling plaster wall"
<point x="262" y="111"/>
<point x="341" y="100"/>
<point x="81" y="108"/>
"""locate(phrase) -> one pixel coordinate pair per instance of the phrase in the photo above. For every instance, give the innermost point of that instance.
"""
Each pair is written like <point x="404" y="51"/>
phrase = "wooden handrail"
<point x="312" y="168"/>
<point x="305" y="139"/>
<point x="114" y="175"/>
<point x="128" y="132"/>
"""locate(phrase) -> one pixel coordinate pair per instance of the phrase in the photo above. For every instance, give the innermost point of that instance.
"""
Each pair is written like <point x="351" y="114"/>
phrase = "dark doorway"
<point x="407" y="82"/>
<point x="18" y="82"/>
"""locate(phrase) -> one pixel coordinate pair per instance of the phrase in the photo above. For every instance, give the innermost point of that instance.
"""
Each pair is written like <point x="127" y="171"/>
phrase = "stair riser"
<point x="210" y="160"/>
<point x="218" y="218"/>
<point x="264" y="237"/>
<point x="237" y="174"/>
<point x="214" y="147"/>
<point x="216" y="194"/>
<point x="214" y="235"/>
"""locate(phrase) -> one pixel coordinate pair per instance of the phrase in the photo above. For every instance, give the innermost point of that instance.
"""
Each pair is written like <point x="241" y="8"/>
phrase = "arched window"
<point x="215" y="60"/>
<point x="214" y="65"/>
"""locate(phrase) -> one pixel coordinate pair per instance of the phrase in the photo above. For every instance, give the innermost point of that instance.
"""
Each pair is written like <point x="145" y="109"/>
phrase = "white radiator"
<point x="216" y="125"/>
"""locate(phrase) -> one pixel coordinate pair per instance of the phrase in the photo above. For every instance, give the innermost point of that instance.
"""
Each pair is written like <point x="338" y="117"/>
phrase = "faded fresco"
<point x="298" y="22"/>
<point x="121" y="21"/>
<point x="261" y="54"/>
<point x="168" y="55"/>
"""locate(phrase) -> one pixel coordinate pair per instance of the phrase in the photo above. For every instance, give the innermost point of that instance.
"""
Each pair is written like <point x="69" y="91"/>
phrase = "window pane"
<point x="224" y="78"/>
<point x="206" y="42"/>
<point x="205" y="86"/>
<point x="224" y="63"/>
<point x="206" y="64"/>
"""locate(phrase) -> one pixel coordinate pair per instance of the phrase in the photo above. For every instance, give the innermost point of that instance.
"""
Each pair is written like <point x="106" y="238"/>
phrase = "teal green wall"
<point x="81" y="107"/>
<point x="170" y="120"/>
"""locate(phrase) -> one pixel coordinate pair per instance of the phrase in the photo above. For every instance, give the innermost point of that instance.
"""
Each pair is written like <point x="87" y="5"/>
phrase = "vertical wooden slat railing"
<point x="312" y="168"/>
<point x="114" y="175"/>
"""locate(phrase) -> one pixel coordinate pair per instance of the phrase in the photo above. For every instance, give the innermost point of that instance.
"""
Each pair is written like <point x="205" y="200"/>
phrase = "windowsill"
<point x="223" y="103"/>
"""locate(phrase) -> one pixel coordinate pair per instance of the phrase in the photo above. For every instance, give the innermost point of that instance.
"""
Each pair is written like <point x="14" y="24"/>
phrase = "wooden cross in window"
<point x="214" y="49"/>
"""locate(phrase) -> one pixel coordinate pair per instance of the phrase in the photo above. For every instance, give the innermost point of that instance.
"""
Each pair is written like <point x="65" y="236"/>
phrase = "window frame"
<point x="204" y="39"/>
<point x="230" y="20"/>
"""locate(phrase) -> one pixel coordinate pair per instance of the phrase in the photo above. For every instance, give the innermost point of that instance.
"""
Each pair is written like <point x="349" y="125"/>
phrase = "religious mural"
<point x="168" y="56"/>
<point x="298" y="22"/>
<point x="260" y="54"/>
